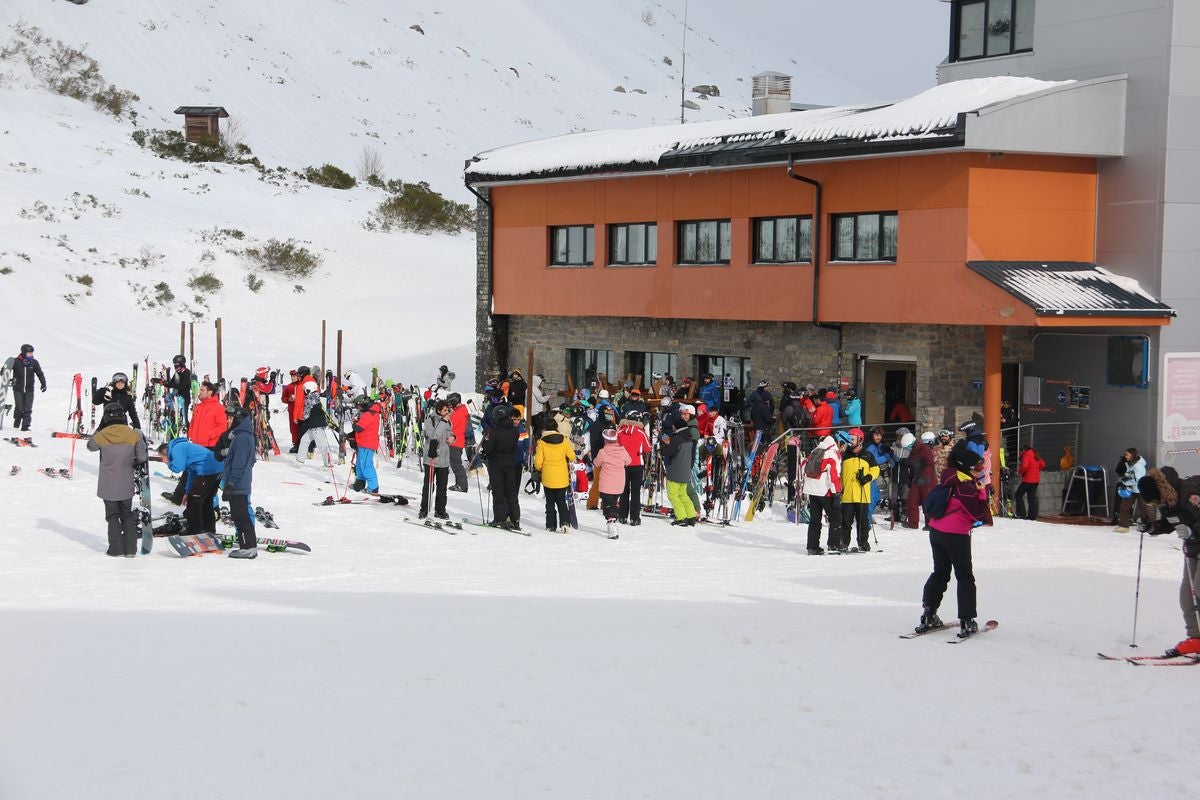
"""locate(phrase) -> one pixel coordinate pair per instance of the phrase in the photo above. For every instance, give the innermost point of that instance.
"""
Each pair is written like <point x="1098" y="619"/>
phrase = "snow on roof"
<point x="927" y="115"/>
<point x="1071" y="288"/>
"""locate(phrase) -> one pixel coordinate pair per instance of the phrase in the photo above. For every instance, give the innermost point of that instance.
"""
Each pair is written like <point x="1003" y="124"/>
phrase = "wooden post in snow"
<point x="220" y="372"/>
<point x="322" y="348"/>
<point x="339" y="355"/>
<point x="182" y="337"/>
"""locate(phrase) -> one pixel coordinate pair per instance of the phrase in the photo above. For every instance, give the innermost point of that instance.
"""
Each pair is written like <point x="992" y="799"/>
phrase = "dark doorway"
<point x="897" y="395"/>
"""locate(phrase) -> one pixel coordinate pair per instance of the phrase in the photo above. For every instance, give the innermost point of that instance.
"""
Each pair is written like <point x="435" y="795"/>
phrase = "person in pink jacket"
<point x="950" y="540"/>
<point x="612" y="460"/>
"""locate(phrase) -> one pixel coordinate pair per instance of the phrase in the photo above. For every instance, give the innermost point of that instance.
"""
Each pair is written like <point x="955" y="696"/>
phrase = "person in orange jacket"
<point x="1030" y="470"/>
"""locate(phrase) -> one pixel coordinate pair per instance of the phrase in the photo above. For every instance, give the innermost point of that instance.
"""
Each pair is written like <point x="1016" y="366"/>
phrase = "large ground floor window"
<point x="647" y="365"/>
<point x="732" y="373"/>
<point x="586" y="366"/>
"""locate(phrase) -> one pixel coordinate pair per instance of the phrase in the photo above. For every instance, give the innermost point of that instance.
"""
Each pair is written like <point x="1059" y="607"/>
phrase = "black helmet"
<point x="454" y="398"/>
<point x="120" y="376"/>
<point x="179" y="360"/>
<point x="237" y="412"/>
<point x="113" y="412"/>
<point x="363" y="401"/>
<point x="26" y="348"/>
<point x="443" y="369"/>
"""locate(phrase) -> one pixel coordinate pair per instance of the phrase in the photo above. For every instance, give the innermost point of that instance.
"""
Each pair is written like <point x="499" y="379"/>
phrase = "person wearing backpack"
<point x="822" y="482"/>
<point x="954" y="509"/>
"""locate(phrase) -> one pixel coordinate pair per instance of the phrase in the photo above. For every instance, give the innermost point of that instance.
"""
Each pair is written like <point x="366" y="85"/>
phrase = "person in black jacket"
<point x="117" y="391"/>
<point x="517" y="389"/>
<point x="762" y="410"/>
<point x="180" y="381"/>
<point x="239" y="476"/>
<point x="25" y="369"/>
<point x="500" y="452"/>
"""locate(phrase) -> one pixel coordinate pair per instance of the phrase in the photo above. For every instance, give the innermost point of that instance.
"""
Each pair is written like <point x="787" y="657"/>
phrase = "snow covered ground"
<point x="396" y="660"/>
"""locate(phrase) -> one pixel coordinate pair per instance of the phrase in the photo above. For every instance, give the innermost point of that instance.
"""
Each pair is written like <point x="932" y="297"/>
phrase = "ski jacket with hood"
<point x="553" y="458"/>
<point x="366" y="427"/>
<point x="239" y="460"/>
<point x="612" y="461"/>
<point x="830" y="480"/>
<point x="120" y="447"/>
<point x="208" y="422"/>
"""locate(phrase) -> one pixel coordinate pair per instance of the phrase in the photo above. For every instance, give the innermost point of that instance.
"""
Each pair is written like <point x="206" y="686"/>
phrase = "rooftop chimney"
<point x="771" y="93"/>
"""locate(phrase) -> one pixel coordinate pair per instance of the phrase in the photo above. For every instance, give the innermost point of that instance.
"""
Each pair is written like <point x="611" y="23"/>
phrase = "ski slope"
<point x="708" y="662"/>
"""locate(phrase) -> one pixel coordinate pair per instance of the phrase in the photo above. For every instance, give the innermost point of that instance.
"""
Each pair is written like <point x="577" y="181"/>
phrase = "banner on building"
<point x="1181" y="397"/>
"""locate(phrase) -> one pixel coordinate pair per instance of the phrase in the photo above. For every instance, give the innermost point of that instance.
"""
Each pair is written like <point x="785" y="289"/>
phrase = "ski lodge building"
<point x="1026" y="229"/>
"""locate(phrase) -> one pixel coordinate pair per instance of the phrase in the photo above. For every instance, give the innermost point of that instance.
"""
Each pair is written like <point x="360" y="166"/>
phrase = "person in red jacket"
<point x="366" y="437"/>
<point x="632" y="436"/>
<point x="288" y="398"/>
<point x="924" y="478"/>
<point x="208" y="424"/>
<point x="1030" y="471"/>
<point x="822" y="417"/>
<point x="458" y="439"/>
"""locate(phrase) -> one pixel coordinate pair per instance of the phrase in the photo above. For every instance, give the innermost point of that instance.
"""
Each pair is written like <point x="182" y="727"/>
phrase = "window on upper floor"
<point x="572" y="246"/>
<point x="704" y="242"/>
<point x="864" y="237"/>
<point x="783" y="240"/>
<point x="633" y="243"/>
<point x="983" y="28"/>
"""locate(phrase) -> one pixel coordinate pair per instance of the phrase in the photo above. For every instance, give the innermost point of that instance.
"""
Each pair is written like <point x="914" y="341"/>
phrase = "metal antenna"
<point x="683" y="63"/>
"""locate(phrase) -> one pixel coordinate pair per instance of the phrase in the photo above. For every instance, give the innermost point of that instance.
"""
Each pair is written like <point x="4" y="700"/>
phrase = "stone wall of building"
<point x="491" y="333"/>
<point x="948" y="359"/>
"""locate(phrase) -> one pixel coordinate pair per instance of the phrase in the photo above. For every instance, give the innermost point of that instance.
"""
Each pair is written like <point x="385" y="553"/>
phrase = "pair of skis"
<point x="1165" y="660"/>
<point x="990" y="625"/>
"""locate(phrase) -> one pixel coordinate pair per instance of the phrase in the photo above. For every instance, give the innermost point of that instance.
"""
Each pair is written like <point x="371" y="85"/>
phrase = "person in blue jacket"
<point x="239" y="475"/>
<point x="884" y="459"/>
<point x="853" y="407"/>
<point x="710" y="392"/>
<point x="204" y="476"/>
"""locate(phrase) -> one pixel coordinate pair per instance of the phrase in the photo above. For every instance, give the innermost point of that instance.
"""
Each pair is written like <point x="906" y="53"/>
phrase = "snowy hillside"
<point x="420" y="87"/>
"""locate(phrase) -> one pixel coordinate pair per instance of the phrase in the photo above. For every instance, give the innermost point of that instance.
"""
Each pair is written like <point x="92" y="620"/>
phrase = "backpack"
<point x="937" y="501"/>
<point x="814" y="465"/>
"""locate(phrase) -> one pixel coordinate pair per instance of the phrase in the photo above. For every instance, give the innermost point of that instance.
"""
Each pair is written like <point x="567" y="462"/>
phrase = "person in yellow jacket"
<point x="858" y="471"/>
<point x="554" y="458"/>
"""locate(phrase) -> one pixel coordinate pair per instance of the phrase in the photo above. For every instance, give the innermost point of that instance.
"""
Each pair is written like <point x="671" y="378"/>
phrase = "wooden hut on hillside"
<point x="201" y="123"/>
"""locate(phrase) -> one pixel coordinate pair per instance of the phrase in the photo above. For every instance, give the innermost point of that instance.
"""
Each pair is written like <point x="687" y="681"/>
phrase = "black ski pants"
<point x="22" y="409"/>
<point x="951" y="550"/>
<point x="243" y="520"/>
<point x="199" y="514"/>
<point x="1026" y="491"/>
<point x="503" y="476"/>
<point x="629" y="502"/>
<point x="856" y="514"/>
<point x="816" y="507"/>
<point x="435" y="484"/>
<point x="122" y="527"/>
<point x="556" y="507"/>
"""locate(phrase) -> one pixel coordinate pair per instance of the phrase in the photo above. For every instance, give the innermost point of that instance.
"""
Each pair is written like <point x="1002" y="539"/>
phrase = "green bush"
<point x="171" y="144"/>
<point x="416" y="207"/>
<point x="205" y="282"/>
<point x="284" y="258"/>
<point x="330" y="176"/>
<point x="83" y="280"/>
<point x="253" y="282"/>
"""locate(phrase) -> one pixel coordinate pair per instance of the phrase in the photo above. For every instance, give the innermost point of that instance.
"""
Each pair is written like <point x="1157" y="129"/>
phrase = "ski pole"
<point x="1137" y="590"/>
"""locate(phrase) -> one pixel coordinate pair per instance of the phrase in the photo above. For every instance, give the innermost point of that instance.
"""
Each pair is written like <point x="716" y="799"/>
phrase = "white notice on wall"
<point x="1181" y="397"/>
<point x="1031" y="391"/>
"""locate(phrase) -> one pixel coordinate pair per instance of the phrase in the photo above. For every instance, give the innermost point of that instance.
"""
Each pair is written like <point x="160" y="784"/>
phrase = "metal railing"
<point x="1052" y="441"/>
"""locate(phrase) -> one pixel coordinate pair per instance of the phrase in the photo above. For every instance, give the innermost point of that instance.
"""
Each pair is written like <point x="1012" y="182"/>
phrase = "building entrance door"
<point x="889" y="389"/>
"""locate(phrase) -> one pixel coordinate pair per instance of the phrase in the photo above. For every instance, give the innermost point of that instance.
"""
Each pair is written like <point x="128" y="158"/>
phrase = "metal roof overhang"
<point x="1085" y="118"/>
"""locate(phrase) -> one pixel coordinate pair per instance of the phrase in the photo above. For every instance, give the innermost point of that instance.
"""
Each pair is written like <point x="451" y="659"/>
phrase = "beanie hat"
<point x="113" y="412"/>
<point x="688" y="408"/>
<point x="831" y="395"/>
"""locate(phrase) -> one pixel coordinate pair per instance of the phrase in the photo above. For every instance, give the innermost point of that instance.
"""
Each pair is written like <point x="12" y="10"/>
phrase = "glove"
<point x="864" y="478"/>
<point x="433" y="449"/>
<point x="1191" y="547"/>
<point x="43" y="387"/>
<point x="107" y="393"/>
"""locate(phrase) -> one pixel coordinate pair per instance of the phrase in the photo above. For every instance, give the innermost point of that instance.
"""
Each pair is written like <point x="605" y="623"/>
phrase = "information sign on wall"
<point x="1181" y="397"/>
<point x="1079" y="397"/>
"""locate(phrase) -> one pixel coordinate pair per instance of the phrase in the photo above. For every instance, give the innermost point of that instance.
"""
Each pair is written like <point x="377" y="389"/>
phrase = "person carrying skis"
<point x="950" y="542"/>
<point x="25" y="370"/>
<point x="366" y="439"/>
<point x="822" y="470"/>
<point x="500" y="453"/>
<point x="121" y="449"/>
<point x="437" y="436"/>
<point x="117" y="391"/>
<point x="180" y="382"/>
<point x="239" y="475"/>
<point x="612" y="464"/>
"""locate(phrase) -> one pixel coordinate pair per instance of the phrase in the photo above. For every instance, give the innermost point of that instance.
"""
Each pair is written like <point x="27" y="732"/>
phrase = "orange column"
<point x="992" y="350"/>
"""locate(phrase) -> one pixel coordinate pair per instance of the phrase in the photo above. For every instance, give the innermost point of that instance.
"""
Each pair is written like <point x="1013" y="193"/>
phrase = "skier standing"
<point x="117" y="391"/>
<point x="25" y="369"/>
<point x="437" y="437"/>
<point x="459" y="420"/>
<point x="180" y="382"/>
<point x="500" y="452"/>
<point x="1030" y="472"/>
<point x="121" y="448"/>
<point x="239" y="476"/>
<point x="923" y="477"/>
<point x="314" y="427"/>
<point x="762" y="410"/>
<point x="950" y="541"/>
<point x="858" y="472"/>
<point x="822" y="480"/>
<point x="366" y="438"/>
<point x="204" y="472"/>
<point x="677" y="450"/>
<point x="853" y="407"/>
<point x="632" y="437"/>
<point x="208" y="423"/>
<point x="611" y="463"/>
<point x="553" y="459"/>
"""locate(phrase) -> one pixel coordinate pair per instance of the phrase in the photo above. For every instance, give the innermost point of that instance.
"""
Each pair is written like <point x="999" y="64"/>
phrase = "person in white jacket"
<point x="355" y="385"/>
<point x="823" y="483"/>
<point x="1130" y="469"/>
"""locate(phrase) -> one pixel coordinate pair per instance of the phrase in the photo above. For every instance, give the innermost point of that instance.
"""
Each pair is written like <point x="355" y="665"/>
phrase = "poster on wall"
<point x="1181" y="397"/>
<point x="1079" y="397"/>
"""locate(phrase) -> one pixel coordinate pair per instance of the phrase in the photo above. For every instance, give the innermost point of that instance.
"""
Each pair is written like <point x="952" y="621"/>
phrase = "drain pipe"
<point x="499" y="325"/>
<point x="816" y="262"/>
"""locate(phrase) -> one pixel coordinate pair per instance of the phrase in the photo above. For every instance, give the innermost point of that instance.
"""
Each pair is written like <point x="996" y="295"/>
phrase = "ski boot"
<point x="244" y="552"/>
<point x="611" y="529"/>
<point x="929" y="621"/>
<point x="968" y="627"/>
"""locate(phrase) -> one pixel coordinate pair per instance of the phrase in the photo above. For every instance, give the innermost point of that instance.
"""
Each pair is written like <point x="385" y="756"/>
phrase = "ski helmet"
<point x="762" y="384"/>
<point x="928" y="437"/>
<point x="113" y="412"/>
<point x="842" y="437"/>
<point x="119" y="377"/>
<point x="262" y="372"/>
<point x="26" y="348"/>
<point x="454" y="398"/>
<point x="237" y="412"/>
<point x="179" y="360"/>
<point x="710" y="443"/>
<point x="603" y="394"/>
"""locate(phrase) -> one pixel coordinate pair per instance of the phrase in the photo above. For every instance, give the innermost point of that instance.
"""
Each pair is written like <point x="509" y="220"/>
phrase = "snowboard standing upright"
<point x="141" y="491"/>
